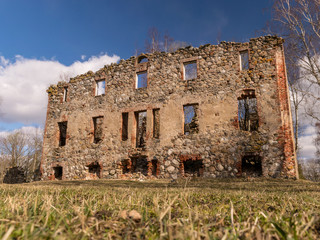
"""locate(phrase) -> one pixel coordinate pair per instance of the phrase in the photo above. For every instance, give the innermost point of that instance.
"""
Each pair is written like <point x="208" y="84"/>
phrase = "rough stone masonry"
<point x="210" y="111"/>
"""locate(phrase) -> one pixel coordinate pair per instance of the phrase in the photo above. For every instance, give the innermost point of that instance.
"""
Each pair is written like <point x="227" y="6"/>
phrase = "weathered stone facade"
<point x="198" y="111"/>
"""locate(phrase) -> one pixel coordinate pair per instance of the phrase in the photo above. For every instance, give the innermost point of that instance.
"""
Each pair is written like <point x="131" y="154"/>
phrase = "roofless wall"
<point x="213" y="111"/>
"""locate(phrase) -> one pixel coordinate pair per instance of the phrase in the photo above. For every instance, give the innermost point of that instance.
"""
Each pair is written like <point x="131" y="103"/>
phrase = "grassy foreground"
<point x="187" y="209"/>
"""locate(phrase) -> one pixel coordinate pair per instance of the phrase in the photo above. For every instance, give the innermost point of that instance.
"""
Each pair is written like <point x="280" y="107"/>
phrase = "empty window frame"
<point x="100" y="87"/>
<point x="141" y="131"/>
<point x="142" y="59"/>
<point x="62" y="133"/>
<point x="142" y="79"/>
<point x="190" y="70"/>
<point x="98" y="131"/>
<point x="65" y="94"/>
<point x="156" y="123"/>
<point x="247" y="111"/>
<point x="124" y="129"/>
<point x="244" y="60"/>
<point x="191" y="123"/>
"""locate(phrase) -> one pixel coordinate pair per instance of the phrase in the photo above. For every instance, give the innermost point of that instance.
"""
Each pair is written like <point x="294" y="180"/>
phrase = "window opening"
<point x="141" y="119"/>
<point x="190" y="70"/>
<point x="95" y="169"/>
<point x="97" y="125"/>
<point x="193" y="167"/>
<point x="100" y="87"/>
<point x="124" y="126"/>
<point x="140" y="164"/>
<point x="247" y="111"/>
<point x="63" y="133"/>
<point x="156" y="123"/>
<point x="244" y="60"/>
<point x="58" y="172"/>
<point x="142" y="80"/>
<point x="142" y="59"/>
<point x="65" y="94"/>
<point x="251" y="166"/>
<point x="191" y="124"/>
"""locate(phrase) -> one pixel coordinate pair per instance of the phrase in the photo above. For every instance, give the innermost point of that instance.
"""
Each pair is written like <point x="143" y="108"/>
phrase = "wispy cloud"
<point x="23" y="84"/>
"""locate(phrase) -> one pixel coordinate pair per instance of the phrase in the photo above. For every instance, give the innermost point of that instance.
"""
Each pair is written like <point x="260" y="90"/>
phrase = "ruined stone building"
<point x="211" y="111"/>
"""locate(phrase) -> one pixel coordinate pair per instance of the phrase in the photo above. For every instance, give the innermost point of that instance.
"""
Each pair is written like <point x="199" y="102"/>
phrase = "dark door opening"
<point x="154" y="169"/>
<point x="140" y="164"/>
<point x="58" y="172"/>
<point x="193" y="167"/>
<point x="94" y="168"/>
<point x="251" y="166"/>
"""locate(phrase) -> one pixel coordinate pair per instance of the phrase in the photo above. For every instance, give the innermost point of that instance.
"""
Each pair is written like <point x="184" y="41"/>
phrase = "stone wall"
<point x="217" y="147"/>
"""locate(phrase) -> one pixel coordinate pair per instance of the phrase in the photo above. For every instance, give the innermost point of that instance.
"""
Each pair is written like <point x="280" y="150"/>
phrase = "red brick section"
<point x="44" y="138"/>
<point x="285" y="138"/>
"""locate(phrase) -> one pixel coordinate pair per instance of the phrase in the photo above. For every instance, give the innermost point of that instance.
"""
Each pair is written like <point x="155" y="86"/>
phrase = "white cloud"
<point x="23" y="84"/>
<point x="307" y="147"/>
<point x="29" y="130"/>
<point x="309" y="95"/>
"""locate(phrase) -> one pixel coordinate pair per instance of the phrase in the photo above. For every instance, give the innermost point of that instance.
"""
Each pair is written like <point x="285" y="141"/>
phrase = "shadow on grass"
<point x="255" y="185"/>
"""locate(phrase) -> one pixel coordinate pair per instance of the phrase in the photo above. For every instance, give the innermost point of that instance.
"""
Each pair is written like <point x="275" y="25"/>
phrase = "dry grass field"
<point x="186" y="209"/>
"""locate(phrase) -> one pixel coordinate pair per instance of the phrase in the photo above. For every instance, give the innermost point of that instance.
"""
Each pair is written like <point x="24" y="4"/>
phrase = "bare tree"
<point x="317" y="142"/>
<point x="156" y="43"/>
<point x="14" y="147"/>
<point x="20" y="149"/>
<point x="152" y="44"/>
<point x="298" y="21"/>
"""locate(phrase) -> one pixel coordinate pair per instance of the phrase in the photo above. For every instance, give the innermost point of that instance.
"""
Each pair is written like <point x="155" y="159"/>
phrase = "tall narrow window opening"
<point x="100" y="87"/>
<point x="247" y="111"/>
<point x="98" y="132"/>
<point x="65" y="94"/>
<point x="124" y="129"/>
<point x="244" y="60"/>
<point x="191" y="123"/>
<point x="63" y="133"/>
<point x="156" y="123"/>
<point x="141" y="119"/>
<point x="142" y="80"/>
<point x="190" y="70"/>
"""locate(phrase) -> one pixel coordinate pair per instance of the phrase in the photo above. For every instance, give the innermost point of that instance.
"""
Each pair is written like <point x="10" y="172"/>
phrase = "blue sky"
<point x="66" y="29"/>
<point x="43" y="41"/>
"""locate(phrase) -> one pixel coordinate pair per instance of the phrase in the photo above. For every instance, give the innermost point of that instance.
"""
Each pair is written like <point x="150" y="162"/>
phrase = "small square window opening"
<point x="190" y="70"/>
<point x="100" y="87"/>
<point x="142" y="80"/>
